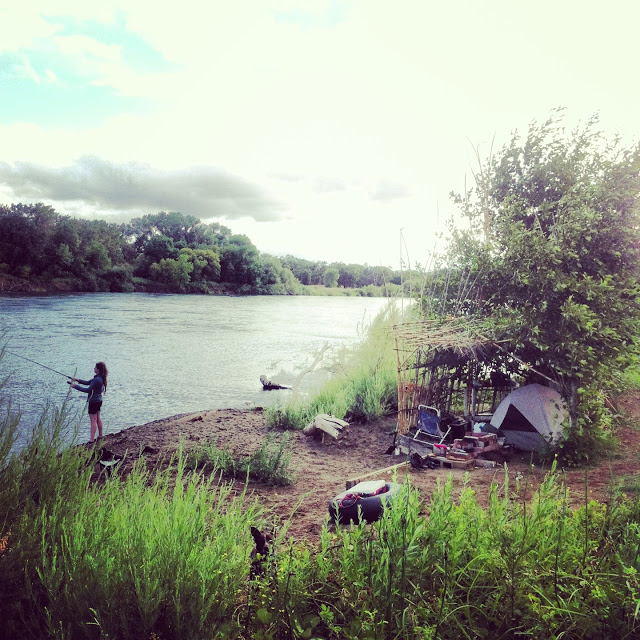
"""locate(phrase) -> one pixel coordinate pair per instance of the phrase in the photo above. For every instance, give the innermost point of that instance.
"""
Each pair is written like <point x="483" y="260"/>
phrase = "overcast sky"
<point x="320" y="128"/>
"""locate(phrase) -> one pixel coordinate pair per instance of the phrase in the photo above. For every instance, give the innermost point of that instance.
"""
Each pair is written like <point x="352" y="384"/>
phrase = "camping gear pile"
<point x="472" y="445"/>
<point x="467" y="449"/>
<point x="528" y="419"/>
<point x="430" y="433"/>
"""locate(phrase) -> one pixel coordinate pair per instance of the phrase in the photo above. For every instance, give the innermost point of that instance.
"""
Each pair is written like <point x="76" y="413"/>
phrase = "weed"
<point x="269" y="464"/>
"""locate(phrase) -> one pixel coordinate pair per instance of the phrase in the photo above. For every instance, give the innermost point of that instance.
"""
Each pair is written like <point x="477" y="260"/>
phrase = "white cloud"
<point x="104" y="187"/>
<point x="28" y="71"/>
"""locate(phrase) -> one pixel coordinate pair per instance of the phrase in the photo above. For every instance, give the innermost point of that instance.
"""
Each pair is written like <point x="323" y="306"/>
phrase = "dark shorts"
<point x="94" y="407"/>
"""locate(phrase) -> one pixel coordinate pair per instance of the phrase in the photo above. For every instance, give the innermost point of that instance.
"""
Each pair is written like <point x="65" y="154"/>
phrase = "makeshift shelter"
<point x="449" y="365"/>
<point x="530" y="417"/>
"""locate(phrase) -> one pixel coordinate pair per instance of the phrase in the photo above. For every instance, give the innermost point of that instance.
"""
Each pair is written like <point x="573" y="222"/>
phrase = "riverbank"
<point x="53" y="286"/>
<point x="10" y="284"/>
<point x="321" y="469"/>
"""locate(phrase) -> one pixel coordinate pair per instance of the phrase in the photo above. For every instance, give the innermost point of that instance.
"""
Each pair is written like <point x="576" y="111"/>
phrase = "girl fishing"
<point x="96" y="387"/>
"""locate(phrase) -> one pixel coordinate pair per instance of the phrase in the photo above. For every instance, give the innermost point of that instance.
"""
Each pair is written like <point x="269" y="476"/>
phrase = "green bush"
<point x="593" y="438"/>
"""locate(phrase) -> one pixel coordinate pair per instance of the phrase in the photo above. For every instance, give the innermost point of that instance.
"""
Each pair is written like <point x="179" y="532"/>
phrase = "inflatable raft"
<point x="365" y="500"/>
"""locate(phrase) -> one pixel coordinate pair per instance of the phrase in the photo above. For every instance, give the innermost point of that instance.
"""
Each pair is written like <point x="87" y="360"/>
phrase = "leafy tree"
<point x="274" y="278"/>
<point x="64" y="246"/>
<point x="553" y="247"/>
<point x="16" y="239"/>
<point x="211" y="235"/>
<point x="97" y="257"/>
<point x="43" y="219"/>
<point x="25" y="231"/>
<point x="159" y="247"/>
<point x="185" y="231"/>
<point x="173" y="225"/>
<point x="330" y="278"/>
<point x="350" y="275"/>
<point x="63" y="258"/>
<point x="206" y="264"/>
<point x="289" y="284"/>
<point x="317" y="273"/>
<point x="240" y="261"/>
<point x="376" y="276"/>
<point x="172" y="272"/>
<point x="269" y="276"/>
<point x="301" y="269"/>
<point x="119" y="279"/>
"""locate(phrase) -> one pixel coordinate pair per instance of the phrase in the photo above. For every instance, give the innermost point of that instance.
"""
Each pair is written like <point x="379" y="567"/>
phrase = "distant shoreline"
<point x="13" y="285"/>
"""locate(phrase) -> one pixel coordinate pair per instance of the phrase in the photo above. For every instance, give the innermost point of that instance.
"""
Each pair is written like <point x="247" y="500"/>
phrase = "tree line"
<point x="162" y="251"/>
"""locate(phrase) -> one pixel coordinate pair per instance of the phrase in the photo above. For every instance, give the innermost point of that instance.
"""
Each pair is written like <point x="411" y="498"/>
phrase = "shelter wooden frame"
<point x="440" y="363"/>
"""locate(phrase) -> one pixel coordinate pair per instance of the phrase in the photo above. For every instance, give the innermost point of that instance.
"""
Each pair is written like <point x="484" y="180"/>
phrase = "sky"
<point x="332" y="130"/>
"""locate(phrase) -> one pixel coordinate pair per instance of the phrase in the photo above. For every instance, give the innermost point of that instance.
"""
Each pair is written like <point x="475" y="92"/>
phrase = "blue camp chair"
<point x="429" y="424"/>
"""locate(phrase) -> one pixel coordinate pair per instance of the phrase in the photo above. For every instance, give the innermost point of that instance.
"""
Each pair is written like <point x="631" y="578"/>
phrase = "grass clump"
<point x="269" y="464"/>
<point x="147" y="556"/>
<point x="363" y="387"/>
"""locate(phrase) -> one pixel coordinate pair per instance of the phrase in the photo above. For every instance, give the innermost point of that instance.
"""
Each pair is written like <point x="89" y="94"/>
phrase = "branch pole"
<point x="303" y="373"/>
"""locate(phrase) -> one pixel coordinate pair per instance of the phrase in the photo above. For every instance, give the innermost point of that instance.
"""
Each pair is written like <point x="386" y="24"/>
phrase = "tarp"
<point x="530" y="417"/>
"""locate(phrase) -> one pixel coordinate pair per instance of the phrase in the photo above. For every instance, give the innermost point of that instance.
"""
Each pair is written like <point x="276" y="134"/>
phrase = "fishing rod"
<point x="39" y="364"/>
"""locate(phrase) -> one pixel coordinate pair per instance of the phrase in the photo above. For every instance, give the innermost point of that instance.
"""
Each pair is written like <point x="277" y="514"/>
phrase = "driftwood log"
<point x="267" y="385"/>
<point x="327" y="424"/>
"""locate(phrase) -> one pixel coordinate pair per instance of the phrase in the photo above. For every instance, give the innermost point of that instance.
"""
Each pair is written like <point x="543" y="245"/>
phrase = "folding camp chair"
<point x="429" y="424"/>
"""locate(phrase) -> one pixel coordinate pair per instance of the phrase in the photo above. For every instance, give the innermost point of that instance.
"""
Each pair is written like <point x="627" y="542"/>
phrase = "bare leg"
<point x="99" y="423"/>
<point x="94" y="419"/>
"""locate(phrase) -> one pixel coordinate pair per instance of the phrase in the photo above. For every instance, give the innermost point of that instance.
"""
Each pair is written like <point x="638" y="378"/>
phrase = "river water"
<point x="169" y="354"/>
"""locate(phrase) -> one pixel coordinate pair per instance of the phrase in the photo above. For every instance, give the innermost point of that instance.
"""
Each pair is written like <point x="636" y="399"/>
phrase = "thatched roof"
<point x="460" y="337"/>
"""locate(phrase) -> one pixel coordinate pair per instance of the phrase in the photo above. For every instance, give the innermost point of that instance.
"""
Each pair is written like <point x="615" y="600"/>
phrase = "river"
<point x="169" y="354"/>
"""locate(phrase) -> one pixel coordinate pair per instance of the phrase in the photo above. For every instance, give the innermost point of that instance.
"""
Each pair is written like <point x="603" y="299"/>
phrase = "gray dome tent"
<point x="530" y="417"/>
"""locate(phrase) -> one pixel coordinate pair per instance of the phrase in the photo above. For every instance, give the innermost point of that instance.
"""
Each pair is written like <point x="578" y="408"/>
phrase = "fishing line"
<point x="38" y="363"/>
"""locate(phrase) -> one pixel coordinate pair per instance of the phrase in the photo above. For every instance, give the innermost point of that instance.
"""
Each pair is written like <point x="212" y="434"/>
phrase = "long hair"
<point x="102" y="371"/>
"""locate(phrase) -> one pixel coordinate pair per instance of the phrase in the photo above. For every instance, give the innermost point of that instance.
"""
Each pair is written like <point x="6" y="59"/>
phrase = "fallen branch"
<point x="303" y="373"/>
<point x="354" y="481"/>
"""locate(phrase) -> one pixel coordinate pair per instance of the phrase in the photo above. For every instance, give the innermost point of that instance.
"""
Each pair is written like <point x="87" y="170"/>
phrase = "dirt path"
<point x="321" y="470"/>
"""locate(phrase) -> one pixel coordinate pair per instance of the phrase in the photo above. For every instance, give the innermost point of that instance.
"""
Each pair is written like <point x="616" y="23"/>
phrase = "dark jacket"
<point x="95" y="388"/>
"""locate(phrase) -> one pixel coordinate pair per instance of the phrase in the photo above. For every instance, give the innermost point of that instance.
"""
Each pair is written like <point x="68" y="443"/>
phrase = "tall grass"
<point x="364" y="384"/>
<point x="168" y="557"/>
<point x="504" y="571"/>
<point x="141" y="556"/>
<point x="165" y="555"/>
